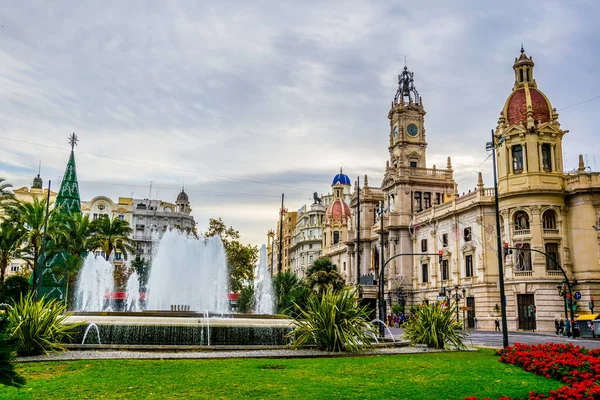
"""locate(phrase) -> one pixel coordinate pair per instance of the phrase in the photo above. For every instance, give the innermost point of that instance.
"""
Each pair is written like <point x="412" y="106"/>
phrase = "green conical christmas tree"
<point x="53" y="284"/>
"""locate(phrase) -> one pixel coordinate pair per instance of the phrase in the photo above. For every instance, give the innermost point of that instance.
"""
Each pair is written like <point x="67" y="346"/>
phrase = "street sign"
<point x="577" y="295"/>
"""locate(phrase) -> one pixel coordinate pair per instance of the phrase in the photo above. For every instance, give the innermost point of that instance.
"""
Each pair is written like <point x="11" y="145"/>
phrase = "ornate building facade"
<point x="544" y="211"/>
<point x="542" y="208"/>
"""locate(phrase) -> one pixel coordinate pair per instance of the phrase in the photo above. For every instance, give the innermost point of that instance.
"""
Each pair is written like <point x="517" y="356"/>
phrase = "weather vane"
<point x="73" y="140"/>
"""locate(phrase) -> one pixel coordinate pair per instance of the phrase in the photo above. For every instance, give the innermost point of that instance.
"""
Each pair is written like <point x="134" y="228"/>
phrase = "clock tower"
<point x="407" y="131"/>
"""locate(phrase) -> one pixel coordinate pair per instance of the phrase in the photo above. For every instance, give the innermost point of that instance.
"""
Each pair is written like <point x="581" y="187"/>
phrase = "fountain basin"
<point x="182" y="329"/>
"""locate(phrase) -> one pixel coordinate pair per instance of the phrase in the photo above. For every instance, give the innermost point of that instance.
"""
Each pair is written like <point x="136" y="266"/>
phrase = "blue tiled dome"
<point x="341" y="178"/>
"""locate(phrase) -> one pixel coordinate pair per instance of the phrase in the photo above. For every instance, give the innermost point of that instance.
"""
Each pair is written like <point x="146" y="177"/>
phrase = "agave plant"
<point x="333" y="321"/>
<point x="8" y="374"/>
<point x="39" y="326"/>
<point x="435" y="326"/>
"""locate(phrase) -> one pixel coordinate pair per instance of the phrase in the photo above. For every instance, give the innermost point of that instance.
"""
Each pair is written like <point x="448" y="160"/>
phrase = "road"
<point x="494" y="339"/>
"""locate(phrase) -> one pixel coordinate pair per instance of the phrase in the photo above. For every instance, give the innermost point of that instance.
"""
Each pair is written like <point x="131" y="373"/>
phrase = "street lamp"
<point x="464" y="292"/>
<point x="380" y="212"/>
<point x="492" y="146"/>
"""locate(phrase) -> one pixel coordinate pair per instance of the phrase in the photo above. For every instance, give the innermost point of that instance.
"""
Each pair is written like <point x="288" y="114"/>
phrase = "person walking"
<point x="497" y="325"/>
<point x="561" y="327"/>
<point x="557" y="326"/>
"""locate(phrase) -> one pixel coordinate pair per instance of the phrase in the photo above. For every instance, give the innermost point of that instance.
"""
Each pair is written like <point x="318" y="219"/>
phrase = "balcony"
<point x="522" y="274"/>
<point x="550" y="231"/>
<point x="553" y="272"/>
<point x="521" y="232"/>
<point x="140" y="227"/>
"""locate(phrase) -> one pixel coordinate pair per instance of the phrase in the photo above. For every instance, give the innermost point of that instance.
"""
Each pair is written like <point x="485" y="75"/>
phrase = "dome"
<point x="338" y="211"/>
<point x="341" y="178"/>
<point x="182" y="196"/>
<point x="518" y="102"/>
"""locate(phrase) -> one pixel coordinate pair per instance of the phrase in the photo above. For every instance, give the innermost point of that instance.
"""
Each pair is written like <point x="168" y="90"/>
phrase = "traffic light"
<point x="505" y="250"/>
<point x="440" y="254"/>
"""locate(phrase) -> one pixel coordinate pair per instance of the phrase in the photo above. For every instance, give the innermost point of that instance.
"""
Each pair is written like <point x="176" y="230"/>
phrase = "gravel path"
<point x="141" y="355"/>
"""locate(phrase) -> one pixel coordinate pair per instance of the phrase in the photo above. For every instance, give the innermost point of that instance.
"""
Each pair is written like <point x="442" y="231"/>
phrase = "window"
<point x="438" y="199"/>
<point x="418" y="204"/>
<point x="517" y="153"/>
<point x="344" y="265"/>
<point x="336" y="237"/>
<point x="527" y="74"/>
<point x="552" y="251"/>
<point x="95" y="217"/>
<point x="467" y="234"/>
<point x="14" y="268"/>
<point x="521" y="75"/>
<point x="524" y="258"/>
<point x="427" y="199"/>
<point x="423" y="245"/>
<point x="469" y="265"/>
<point x="549" y="219"/>
<point x="413" y="164"/>
<point x="444" y="270"/>
<point x="444" y="240"/>
<point x="310" y="246"/>
<point x="324" y="239"/>
<point x="122" y="217"/>
<point x="521" y="221"/>
<point x="546" y="158"/>
<point x="310" y="259"/>
<point x="118" y="256"/>
<point x="425" y="272"/>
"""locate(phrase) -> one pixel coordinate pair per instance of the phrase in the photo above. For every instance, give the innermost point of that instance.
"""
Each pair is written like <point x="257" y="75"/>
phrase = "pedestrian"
<point x="497" y="325"/>
<point x="568" y="326"/>
<point x="402" y="319"/>
<point x="397" y="321"/>
<point x="593" y="329"/>
<point x="389" y="320"/>
<point x="556" y="326"/>
<point x="561" y="326"/>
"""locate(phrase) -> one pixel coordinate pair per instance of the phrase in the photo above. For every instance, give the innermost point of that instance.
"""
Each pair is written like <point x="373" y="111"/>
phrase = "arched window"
<point x="517" y="156"/>
<point x="521" y="221"/>
<point x="549" y="219"/>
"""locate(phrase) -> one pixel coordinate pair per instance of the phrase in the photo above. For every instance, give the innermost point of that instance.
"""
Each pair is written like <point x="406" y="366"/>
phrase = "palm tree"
<point x="323" y="275"/>
<point x="11" y="237"/>
<point x="289" y="290"/>
<point x="114" y="234"/>
<point x="5" y="194"/>
<point x="31" y="217"/>
<point x="74" y="234"/>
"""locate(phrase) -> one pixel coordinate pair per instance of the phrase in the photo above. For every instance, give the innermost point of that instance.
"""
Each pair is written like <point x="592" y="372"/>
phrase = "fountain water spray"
<point x="94" y="284"/>
<point x="263" y="286"/>
<point x="133" y="292"/>
<point x="188" y="272"/>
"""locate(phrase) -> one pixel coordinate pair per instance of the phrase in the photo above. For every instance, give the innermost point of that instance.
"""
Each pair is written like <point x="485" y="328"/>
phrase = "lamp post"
<point x="492" y="146"/>
<point x="464" y="292"/>
<point x="381" y="211"/>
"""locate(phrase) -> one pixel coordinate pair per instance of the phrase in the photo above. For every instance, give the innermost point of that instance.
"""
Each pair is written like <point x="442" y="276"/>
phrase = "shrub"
<point x="435" y="326"/>
<point x="8" y="345"/>
<point x="289" y="291"/>
<point x="333" y="321"/>
<point x="38" y="326"/>
<point x="13" y="288"/>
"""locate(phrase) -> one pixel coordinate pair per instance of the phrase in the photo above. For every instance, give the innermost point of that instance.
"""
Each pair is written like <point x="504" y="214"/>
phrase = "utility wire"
<point x="156" y="165"/>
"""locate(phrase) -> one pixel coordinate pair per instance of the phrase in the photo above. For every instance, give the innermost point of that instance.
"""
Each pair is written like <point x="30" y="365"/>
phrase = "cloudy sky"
<point x="242" y="101"/>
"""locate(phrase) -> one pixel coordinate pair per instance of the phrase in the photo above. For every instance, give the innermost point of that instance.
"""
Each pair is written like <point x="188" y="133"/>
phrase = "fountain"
<point x="263" y="287"/>
<point x="186" y="300"/>
<point x="133" y="292"/>
<point x="94" y="284"/>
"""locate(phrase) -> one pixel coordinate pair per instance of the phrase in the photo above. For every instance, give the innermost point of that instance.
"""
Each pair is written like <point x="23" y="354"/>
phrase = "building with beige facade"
<point x="550" y="217"/>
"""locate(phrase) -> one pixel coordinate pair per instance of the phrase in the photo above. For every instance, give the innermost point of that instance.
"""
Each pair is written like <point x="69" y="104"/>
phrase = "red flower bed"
<point x="577" y="367"/>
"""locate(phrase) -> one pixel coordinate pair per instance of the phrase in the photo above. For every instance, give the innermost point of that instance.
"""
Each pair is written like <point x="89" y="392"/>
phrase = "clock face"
<point x="395" y="132"/>
<point x="412" y="130"/>
<point x="101" y="207"/>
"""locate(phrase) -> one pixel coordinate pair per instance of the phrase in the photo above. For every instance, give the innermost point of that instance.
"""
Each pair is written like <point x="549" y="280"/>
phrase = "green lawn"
<point x="411" y="376"/>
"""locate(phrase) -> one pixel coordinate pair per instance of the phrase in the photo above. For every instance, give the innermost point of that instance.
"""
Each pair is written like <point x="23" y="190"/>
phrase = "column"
<point x="553" y="158"/>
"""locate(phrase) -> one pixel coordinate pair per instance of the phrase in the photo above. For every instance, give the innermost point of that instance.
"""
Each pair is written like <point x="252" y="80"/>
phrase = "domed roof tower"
<point x="526" y="104"/>
<point x="528" y="136"/>
<point x="183" y="202"/>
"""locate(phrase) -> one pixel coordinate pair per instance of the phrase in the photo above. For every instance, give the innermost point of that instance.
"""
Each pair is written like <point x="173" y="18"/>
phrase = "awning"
<point x="587" y="317"/>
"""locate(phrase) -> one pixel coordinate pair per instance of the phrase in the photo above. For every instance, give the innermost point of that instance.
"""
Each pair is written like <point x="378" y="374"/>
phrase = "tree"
<point x="13" y="288"/>
<point x="288" y="290"/>
<point x="323" y="275"/>
<point x="241" y="258"/>
<point x="141" y="266"/>
<point x="11" y="237"/>
<point x="8" y="345"/>
<point x="31" y="216"/>
<point x="5" y="194"/>
<point x="75" y="235"/>
<point x="113" y="234"/>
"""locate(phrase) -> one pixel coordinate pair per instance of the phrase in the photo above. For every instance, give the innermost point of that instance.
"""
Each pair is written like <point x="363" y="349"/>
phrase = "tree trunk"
<point x="3" y="265"/>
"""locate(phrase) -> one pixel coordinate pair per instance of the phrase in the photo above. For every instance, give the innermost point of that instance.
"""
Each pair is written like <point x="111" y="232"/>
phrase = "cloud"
<point x="241" y="101"/>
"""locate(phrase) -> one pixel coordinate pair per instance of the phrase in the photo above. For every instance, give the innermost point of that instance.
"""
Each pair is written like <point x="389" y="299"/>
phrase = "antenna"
<point x="405" y="60"/>
<point x="40" y="168"/>
<point x="150" y="193"/>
